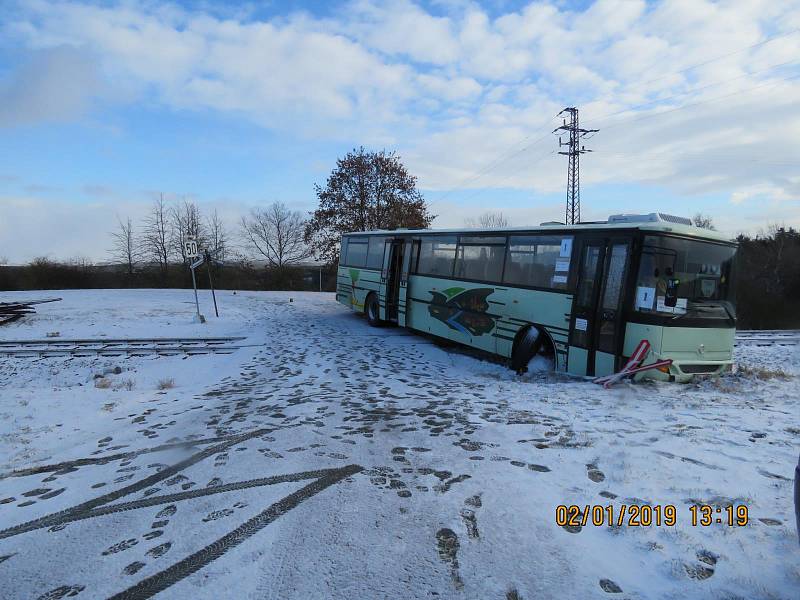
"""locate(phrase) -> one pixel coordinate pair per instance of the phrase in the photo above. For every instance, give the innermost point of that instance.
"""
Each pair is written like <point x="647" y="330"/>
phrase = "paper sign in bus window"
<point x="581" y="324"/>
<point x="562" y="265"/>
<point x="645" y="297"/>
<point x="566" y="248"/>
<point x="559" y="279"/>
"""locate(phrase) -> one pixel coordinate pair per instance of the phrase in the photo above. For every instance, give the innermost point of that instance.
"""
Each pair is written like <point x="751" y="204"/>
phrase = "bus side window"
<point x="480" y="258"/>
<point x="357" y="252"/>
<point x="414" y="256"/>
<point x="437" y="255"/>
<point x="343" y="251"/>
<point x="375" y="253"/>
<point x="537" y="261"/>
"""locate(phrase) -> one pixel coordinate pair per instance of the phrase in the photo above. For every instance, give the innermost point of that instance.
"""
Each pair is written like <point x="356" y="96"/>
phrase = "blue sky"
<point x="104" y="105"/>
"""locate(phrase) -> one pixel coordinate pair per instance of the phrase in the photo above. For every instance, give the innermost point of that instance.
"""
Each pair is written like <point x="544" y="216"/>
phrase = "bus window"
<point x="343" y="251"/>
<point x="437" y="256"/>
<point x="699" y="273"/>
<point x="375" y="252"/>
<point x="536" y="261"/>
<point x="356" y="252"/>
<point x="480" y="258"/>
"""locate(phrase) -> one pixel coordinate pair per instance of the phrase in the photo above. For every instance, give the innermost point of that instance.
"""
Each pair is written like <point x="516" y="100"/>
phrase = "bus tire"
<point x="526" y="347"/>
<point x="373" y="310"/>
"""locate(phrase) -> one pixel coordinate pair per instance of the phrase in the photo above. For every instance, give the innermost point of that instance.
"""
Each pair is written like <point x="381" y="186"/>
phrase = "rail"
<point x="120" y="346"/>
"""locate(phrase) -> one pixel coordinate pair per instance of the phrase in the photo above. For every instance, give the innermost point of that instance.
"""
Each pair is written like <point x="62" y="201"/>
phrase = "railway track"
<point x="120" y="347"/>
<point x="768" y="337"/>
<point x="228" y="345"/>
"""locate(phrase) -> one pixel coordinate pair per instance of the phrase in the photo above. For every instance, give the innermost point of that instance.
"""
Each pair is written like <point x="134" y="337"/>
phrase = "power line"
<point x="505" y="157"/>
<point x="697" y="89"/>
<point x="720" y="57"/>
<point x="495" y="163"/>
<point x="510" y="175"/>
<point x="707" y="101"/>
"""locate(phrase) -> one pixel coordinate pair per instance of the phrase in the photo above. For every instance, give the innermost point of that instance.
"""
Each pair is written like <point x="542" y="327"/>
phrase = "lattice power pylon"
<point x="574" y="150"/>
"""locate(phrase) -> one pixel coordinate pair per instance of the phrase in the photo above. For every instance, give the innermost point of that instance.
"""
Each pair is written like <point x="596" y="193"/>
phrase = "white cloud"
<point x="55" y="84"/>
<point x="458" y="89"/>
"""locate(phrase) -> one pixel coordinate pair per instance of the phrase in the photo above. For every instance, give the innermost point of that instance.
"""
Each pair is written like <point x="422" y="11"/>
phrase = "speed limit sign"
<point x="191" y="248"/>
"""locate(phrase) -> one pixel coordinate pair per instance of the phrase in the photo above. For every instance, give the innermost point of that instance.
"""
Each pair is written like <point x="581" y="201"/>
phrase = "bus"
<point x="583" y="295"/>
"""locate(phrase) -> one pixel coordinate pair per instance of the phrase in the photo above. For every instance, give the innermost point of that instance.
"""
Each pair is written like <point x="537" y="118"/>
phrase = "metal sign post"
<point x="191" y="250"/>
<point x="209" y="260"/>
<point x="192" y="267"/>
<point x="200" y="257"/>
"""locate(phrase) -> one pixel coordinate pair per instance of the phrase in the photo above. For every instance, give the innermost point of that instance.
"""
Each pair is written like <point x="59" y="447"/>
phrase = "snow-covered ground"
<point x="328" y="459"/>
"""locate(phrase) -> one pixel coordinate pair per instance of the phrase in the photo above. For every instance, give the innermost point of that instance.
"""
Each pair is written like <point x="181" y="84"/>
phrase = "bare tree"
<point x="186" y="223"/>
<point x="487" y="220"/>
<point x="277" y="234"/>
<point x="125" y="249"/>
<point x="217" y="236"/>
<point x="156" y="235"/>
<point x="703" y="221"/>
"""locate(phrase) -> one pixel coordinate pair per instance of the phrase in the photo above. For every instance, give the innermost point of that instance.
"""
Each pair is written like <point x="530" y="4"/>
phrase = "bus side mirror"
<point x="671" y="294"/>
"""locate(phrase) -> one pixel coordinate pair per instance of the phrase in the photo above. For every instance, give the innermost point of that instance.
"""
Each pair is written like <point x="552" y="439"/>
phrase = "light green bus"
<point x="584" y="295"/>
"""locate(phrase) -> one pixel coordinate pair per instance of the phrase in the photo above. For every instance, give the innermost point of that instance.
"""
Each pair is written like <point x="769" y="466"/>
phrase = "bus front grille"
<point x="699" y="368"/>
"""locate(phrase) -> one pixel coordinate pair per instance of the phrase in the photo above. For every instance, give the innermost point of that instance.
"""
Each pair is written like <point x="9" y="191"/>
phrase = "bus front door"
<point x="394" y="280"/>
<point x="596" y="326"/>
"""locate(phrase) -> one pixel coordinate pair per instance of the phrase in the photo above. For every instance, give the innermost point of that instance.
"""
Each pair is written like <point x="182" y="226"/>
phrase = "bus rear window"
<point x="356" y="252"/>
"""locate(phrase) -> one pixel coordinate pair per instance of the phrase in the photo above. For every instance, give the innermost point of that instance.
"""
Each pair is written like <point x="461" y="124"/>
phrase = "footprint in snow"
<point x="702" y="571"/>
<point x="610" y="587"/>
<point x="121" y="546"/>
<point x="63" y="591"/>
<point x="133" y="568"/>
<point x="159" y="550"/>
<point x="217" y="514"/>
<point x="594" y="473"/>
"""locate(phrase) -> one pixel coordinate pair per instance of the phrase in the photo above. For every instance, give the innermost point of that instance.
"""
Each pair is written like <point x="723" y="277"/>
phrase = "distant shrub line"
<point x="43" y="274"/>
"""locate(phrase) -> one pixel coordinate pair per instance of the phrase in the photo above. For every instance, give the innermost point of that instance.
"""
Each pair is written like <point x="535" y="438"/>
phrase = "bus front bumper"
<point x="684" y="371"/>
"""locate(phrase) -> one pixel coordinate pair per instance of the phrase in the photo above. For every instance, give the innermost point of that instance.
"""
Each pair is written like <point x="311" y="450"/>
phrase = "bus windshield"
<point x="691" y="279"/>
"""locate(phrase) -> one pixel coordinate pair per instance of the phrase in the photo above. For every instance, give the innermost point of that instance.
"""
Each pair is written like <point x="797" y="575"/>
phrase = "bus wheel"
<point x="372" y="308"/>
<point x="527" y="346"/>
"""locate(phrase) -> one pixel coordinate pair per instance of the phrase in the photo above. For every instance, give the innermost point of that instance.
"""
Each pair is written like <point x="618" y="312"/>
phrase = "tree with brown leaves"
<point x="366" y="191"/>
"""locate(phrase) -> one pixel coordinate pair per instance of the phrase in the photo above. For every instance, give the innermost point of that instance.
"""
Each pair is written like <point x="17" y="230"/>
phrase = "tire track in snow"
<point x="161" y="581"/>
<point x="188" y="495"/>
<point x="69" y="513"/>
<point x="102" y="460"/>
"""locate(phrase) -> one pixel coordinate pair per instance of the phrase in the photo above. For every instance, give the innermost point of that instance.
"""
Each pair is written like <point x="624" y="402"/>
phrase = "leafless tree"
<point x="703" y="221"/>
<point x="125" y="245"/>
<point x="217" y="236"/>
<point x="156" y="236"/>
<point x="487" y="220"/>
<point x="186" y="223"/>
<point x="277" y="234"/>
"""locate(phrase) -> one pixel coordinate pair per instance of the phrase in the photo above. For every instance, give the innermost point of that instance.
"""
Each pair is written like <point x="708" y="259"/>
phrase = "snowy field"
<point x="328" y="459"/>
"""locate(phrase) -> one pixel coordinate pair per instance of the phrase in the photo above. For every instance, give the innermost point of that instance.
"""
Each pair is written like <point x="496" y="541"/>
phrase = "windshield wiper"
<point x="707" y="308"/>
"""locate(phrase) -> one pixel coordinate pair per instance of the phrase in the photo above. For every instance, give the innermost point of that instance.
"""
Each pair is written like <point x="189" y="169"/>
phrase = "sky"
<point x="105" y="105"/>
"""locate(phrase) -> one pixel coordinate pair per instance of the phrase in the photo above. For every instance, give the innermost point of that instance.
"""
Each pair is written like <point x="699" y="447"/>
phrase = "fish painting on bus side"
<point x="463" y="310"/>
<point x="354" y="275"/>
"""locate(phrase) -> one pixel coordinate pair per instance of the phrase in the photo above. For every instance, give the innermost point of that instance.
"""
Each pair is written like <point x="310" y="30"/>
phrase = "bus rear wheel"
<point x="372" y="308"/>
<point x="529" y="344"/>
